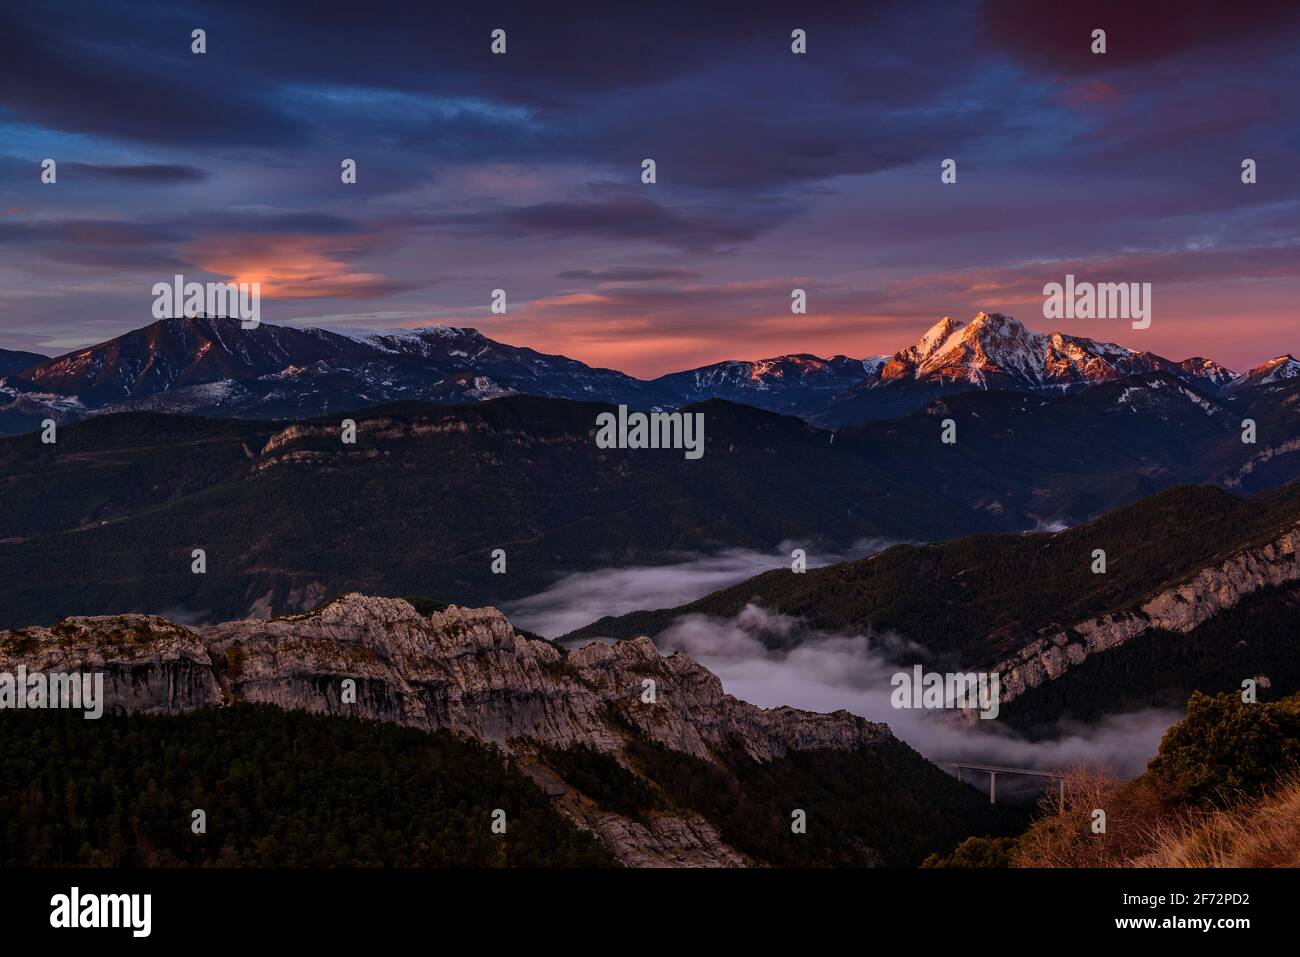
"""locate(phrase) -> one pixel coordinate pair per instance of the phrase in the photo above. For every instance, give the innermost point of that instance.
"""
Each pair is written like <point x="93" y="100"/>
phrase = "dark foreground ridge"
<point x="644" y="752"/>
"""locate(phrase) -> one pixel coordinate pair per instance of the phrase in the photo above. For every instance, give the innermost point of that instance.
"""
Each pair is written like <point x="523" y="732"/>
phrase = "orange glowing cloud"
<point x="291" y="266"/>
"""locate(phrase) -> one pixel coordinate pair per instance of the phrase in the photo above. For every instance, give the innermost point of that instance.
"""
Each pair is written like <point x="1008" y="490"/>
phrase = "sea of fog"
<point x="825" y="672"/>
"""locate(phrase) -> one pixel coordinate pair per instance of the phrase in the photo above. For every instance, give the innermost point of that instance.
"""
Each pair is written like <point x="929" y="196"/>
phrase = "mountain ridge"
<point x="12" y="361"/>
<point x="209" y="366"/>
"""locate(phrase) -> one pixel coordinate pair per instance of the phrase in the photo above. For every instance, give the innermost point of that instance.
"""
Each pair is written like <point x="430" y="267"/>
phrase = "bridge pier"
<point x="993" y="770"/>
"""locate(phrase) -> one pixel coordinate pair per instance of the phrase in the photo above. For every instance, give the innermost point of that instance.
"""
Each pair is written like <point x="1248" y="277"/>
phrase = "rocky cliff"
<point x="462" y="669"/>
<point x="1178" y="609"/>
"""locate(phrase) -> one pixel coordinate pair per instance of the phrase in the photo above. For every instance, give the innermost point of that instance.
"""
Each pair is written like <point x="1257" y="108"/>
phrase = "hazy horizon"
<point x="735" y="357"/>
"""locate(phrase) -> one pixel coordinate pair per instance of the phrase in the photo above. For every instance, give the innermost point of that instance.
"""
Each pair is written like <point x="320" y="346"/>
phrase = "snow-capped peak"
<point x="1280" y="369"/>
<point x="1207" y="370"/>
<point x="872" y="365"/>
<point x="934" y="338"/>
<point x="996" y="351"/>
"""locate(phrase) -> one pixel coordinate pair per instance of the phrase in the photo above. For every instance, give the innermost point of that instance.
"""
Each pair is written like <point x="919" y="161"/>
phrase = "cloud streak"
<point x="155" y="174"/>
<point x="580" y="598"/>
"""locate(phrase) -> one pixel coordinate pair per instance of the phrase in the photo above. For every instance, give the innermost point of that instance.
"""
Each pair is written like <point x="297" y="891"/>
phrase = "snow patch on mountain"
<point x="403" y="340"/>
<point x="873" y="364"/>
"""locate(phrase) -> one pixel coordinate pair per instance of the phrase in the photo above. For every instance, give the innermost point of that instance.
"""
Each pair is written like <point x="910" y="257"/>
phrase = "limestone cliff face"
<point x="284" y="447"/>
<point x="464" y="670"/>
<point x="149" y="664"/>
<point x="1178" y="609"/>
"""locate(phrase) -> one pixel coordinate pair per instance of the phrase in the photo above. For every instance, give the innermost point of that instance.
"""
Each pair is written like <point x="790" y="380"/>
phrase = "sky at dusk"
<point x="775" y="170"/>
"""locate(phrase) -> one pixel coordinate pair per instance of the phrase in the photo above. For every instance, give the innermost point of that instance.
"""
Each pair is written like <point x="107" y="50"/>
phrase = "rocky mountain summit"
<point x="996" y="351"/>
<point x="466" y="670"/>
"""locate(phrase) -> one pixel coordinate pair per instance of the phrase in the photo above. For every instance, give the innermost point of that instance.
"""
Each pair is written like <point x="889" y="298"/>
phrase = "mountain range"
<point x="210" y="366"/>
<point x="206" y="366"/>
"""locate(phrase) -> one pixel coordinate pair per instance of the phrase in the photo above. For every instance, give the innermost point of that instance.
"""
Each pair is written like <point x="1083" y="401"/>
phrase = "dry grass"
<point x="1263" y="834"/>
<point x="1066" y="837"/>
<point x="1148" y="828"/>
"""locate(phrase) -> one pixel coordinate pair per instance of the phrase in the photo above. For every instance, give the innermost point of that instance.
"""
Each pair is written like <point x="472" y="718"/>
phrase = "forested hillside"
<point x="279" y="789"/>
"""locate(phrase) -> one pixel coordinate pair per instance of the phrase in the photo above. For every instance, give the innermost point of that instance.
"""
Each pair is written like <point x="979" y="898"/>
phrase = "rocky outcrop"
<point x="681" y="839"/>
<point x="463" y="669"/>
<point x="150" y="665"/>
<point x="1179" y="609"/>
<point x="467" y="670"/>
